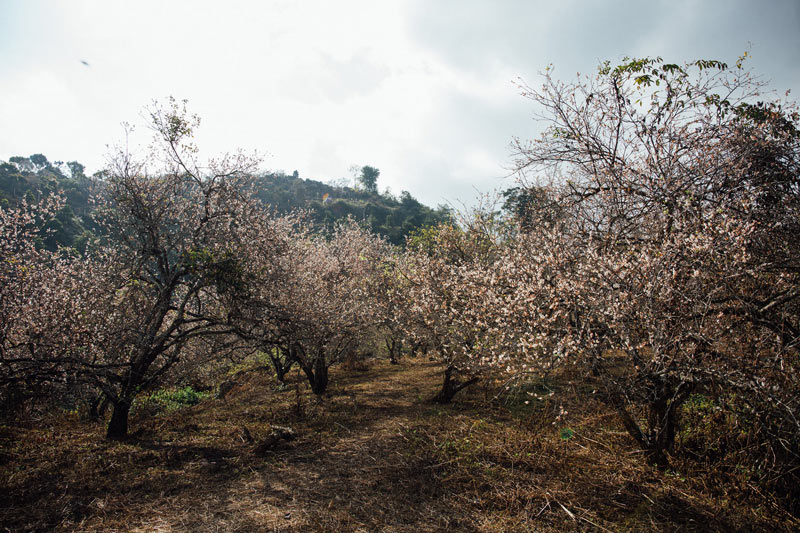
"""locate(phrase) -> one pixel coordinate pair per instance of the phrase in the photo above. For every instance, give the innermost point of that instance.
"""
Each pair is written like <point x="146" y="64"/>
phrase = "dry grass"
<point x="374" y="456"/>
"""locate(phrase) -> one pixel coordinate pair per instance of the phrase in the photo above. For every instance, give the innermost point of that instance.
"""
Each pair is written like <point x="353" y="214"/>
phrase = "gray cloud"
<point x="526" y="36"/>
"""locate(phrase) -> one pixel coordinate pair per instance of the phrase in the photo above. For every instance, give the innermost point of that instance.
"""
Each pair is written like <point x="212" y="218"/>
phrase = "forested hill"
<point x="393" y="217"/>
<point x="385" y="214"/>
<point x="31" y="178"/>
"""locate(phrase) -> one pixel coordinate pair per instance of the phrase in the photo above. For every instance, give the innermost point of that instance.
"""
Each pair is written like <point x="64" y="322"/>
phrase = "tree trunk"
<point x="320" y="383"/>
<point x="280" y="373"/>
<point x="317" y="375"/>
<point x="662" y="422"/>
<point x="94" y="412"/>
<point x="451" y="385"/>
<point x="118" y="425"/>
<point x="103" y="407"/>
<point x="281" y="366"/>
<point x="394" y="347"/>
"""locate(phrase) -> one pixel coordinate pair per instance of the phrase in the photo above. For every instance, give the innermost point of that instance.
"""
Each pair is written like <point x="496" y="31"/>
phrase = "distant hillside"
<point x="393" y="217"/>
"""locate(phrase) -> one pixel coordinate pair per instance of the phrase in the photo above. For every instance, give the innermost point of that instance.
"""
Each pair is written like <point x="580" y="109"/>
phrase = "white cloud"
<point x="420" y="89"/>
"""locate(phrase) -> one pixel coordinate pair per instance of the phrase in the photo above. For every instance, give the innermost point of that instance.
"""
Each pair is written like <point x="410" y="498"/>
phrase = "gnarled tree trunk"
<point x="282" y="365"/>
<point x="658" y="437"/>
<point x="317" y="373"/>
<point x="452" y="385"/>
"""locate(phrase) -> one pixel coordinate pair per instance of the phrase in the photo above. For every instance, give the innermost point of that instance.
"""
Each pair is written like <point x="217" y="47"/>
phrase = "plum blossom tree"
<point x="174" y="231"/>
<point x="332" y="303"/>
<point x="309" y="295"/>
<point x="674" y="261"/>
<point x="34" y="296"/>
<point x="53" y="313"/>
<point x="446" y="272"/>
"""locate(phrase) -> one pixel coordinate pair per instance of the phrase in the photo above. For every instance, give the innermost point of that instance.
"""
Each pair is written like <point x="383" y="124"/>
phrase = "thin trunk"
<point x="282" y="366"/>
<point x="280" y="373"/>
<point x="320" y="383"/>
<point x="94" y="408"/>
<point x="103" y="407"/>
<point x="394" y="347"/>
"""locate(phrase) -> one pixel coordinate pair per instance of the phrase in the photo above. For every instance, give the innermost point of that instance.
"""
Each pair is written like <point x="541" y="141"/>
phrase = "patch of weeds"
<point x="458" y="448"/>
<point x="255" y="361"/>
<point x="702" y="432"/>
<point x="167" y="400"/>
<point x="525" y="395"/>
<point x="675" y="475"/>
<point x="72" y="413"/>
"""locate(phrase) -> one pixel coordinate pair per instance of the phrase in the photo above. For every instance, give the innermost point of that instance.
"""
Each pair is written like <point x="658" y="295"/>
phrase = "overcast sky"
<point x="423" y="90"/>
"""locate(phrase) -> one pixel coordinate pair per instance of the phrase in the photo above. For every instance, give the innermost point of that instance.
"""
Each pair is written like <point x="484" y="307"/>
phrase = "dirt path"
<point x="353" y="470"/>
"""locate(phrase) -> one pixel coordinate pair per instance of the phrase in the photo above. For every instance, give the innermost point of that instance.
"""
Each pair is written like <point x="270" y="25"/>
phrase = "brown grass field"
<point x="374" y="455"/>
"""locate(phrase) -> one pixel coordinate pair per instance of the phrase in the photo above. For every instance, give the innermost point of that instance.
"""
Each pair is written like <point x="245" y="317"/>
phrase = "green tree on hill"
<point x="369" y="179"/>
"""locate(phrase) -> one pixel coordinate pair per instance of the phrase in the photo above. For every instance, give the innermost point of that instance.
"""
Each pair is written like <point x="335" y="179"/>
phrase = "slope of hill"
<point x="392" y="217"/>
